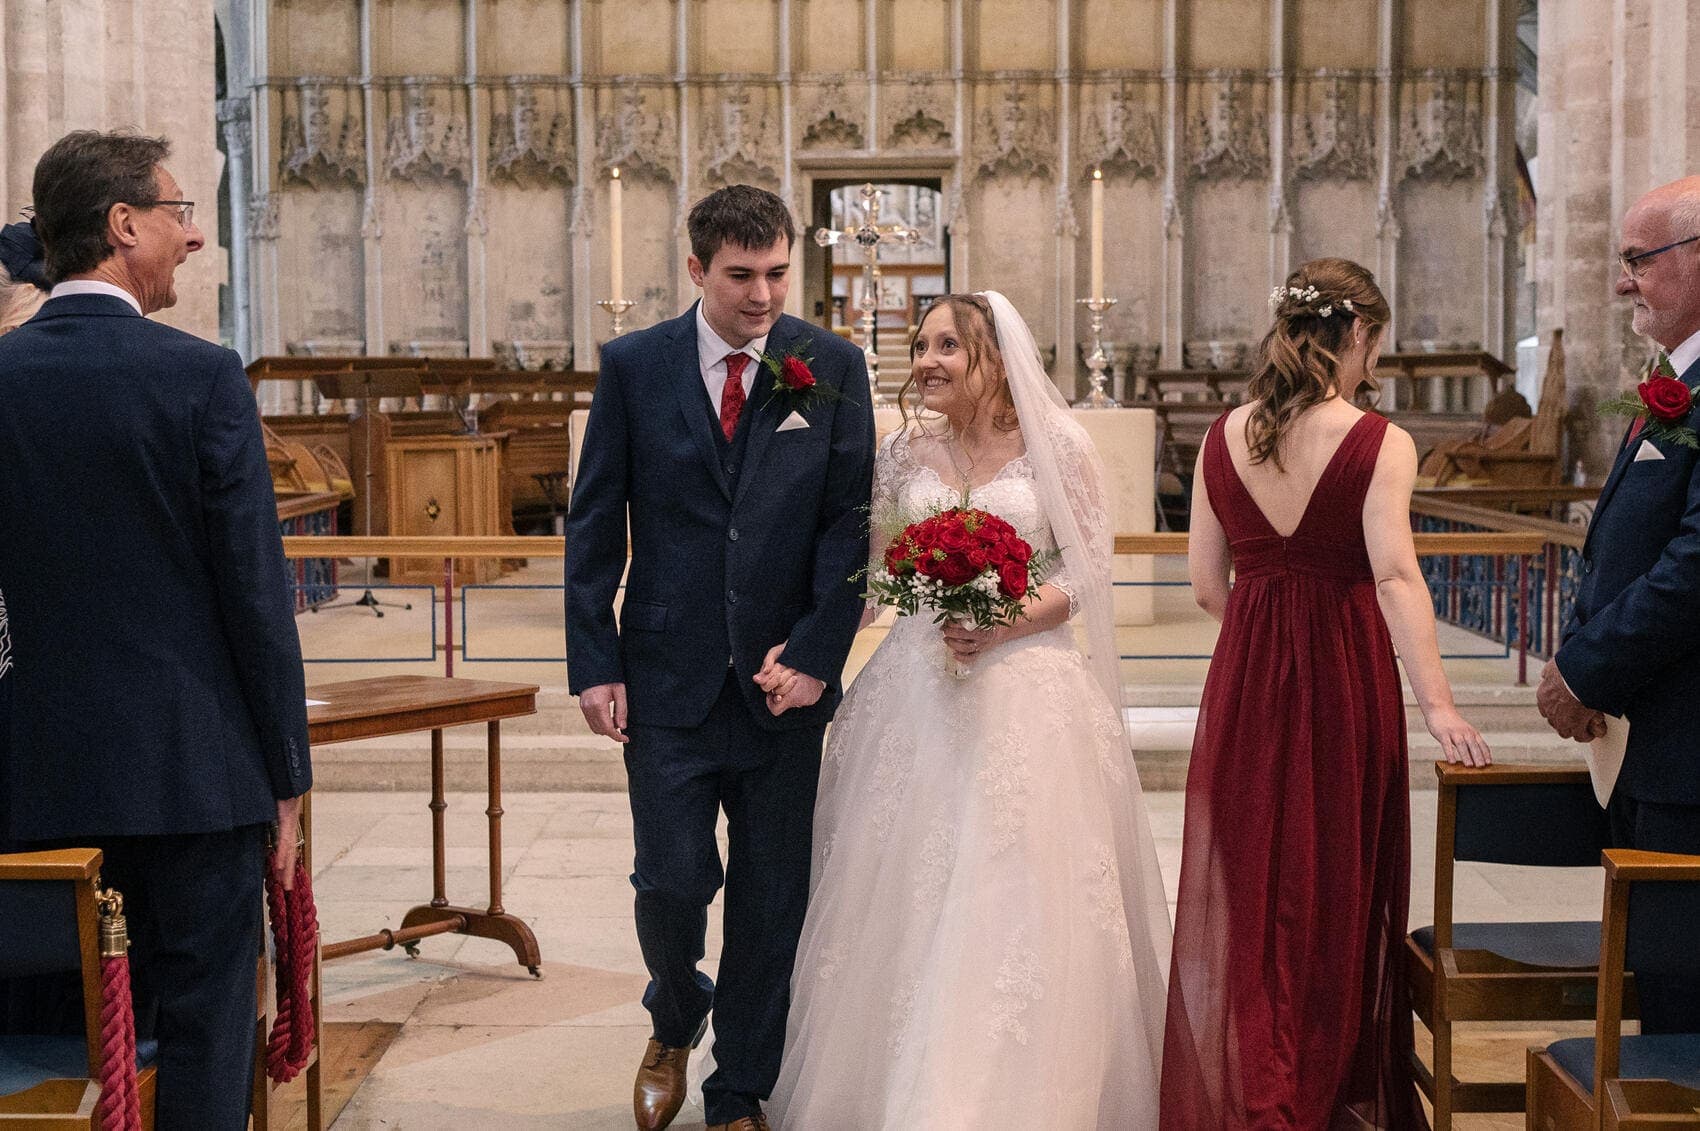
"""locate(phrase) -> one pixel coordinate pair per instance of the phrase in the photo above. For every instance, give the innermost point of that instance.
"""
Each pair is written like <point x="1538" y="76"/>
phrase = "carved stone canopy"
<point x="1014" y="138"/>
<point x="1333" y="126"/>
<point x="638" y="135"/>
<point x="531" y="136"/>
<point x="426" y="140"/>
<point x="1228" y="135"/>
<point x="918" y="112"/>
<point x="1123" y="129"/>
<point x="323" y="143"/>
<point x="740" y="145"/>
<point x="1440" y="129"/>
<point x="830" y="118"/>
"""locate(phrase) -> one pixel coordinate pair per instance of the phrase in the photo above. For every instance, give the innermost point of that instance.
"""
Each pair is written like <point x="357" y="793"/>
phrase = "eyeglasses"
<point x="185" y="208"/>
<point x="1635" y="264"/>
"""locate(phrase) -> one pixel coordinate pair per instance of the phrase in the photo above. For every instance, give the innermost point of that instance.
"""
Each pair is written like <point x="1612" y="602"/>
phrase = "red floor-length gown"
<point x="1287" y="998"/>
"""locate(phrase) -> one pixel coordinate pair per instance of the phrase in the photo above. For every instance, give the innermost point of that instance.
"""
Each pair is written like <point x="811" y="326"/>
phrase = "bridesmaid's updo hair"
<point x="975" y="325"/>
<point x="1298" y="361"/>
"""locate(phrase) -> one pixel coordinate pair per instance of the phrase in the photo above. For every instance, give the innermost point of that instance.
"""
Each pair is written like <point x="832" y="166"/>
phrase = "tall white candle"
<point x="1097" y="234"/>
<point x="616" y="239"/>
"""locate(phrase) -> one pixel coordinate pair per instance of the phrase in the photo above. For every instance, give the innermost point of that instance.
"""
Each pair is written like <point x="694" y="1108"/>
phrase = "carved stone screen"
<point x="431" y="177"/>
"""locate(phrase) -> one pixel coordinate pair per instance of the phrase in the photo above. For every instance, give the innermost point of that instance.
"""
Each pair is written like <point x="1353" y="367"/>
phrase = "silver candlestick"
<point x="617" y="307"/>
<point x="870" y="235"/>
<point x="1097" y="360"/>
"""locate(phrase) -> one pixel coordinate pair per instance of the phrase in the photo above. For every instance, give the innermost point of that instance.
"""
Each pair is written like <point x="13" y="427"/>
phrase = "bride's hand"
<point x="967" y="643"/>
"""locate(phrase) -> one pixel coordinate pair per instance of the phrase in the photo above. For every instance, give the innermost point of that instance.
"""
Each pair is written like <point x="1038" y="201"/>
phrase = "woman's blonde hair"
<point x="1298" y="361"/>
<point x="973" y="317"/>
<point x="18" y="302"/>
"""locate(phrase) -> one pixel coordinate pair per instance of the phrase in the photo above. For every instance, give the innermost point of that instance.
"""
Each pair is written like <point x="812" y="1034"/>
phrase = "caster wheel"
<point x="536" y="972"/>
<point x="411" y="948"/>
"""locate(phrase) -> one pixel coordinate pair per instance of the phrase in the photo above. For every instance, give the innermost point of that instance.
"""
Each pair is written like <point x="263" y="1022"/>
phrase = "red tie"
<point x="732" y="397"/>
<point x="1634" y="430"/>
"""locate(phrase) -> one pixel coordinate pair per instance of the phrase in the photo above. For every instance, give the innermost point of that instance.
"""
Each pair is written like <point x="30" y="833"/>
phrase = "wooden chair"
<point x="1462" y="972"/>
<point x="49" y="924"/>
<point x="1609" y="1081"/>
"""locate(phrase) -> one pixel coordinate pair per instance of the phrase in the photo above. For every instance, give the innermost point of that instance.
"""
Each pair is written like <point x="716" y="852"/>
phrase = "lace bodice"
<point x="905" y="490"/>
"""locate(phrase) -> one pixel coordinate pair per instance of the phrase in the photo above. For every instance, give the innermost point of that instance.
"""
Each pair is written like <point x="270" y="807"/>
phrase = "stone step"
<point x="1162" y="740"/>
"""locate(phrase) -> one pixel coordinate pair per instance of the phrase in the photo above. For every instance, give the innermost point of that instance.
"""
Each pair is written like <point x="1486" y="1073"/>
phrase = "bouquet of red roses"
<point x="963" y="564"/>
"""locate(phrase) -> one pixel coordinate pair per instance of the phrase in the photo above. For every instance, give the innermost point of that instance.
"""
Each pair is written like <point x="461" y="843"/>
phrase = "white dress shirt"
<point x="1686" y="354"/>
<point x="94" y="287"/>
<point x="711" y="357"/>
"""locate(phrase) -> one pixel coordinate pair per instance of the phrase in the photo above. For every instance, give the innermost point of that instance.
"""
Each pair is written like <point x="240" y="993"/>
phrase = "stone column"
<point x="1587" y="136"/>
<point x="234" y="120"/>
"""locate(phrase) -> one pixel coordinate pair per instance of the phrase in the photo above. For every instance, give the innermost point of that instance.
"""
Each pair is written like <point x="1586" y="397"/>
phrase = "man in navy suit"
<point x="156" y="702"/>
<point x="745" y="505"/>
<point x="1633" y="646"/>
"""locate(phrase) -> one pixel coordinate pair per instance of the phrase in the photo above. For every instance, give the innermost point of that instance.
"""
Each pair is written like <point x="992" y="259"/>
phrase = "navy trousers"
<point x="1668" y="1004"/>
<point x="192" y="904"/>
<point x="679" y="780"/>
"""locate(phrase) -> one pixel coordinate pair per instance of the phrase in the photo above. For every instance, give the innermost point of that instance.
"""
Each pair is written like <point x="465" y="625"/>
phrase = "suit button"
<point x="731" y="596"/>
<point x="731" y="469"/>
<point x="732" y="534"/>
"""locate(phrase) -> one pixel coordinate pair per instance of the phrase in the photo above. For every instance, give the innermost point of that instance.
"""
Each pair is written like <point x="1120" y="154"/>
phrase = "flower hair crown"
<point x="1308" y="297"/>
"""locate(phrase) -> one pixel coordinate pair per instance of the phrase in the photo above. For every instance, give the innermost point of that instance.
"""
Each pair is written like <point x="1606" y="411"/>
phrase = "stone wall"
<point x="432" y="175"/>
<point x="111" y="64"/>
<point x="1619" y="113"/>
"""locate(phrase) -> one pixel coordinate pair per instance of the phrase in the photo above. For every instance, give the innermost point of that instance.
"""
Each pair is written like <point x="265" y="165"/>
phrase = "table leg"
<point x="492" y="922"/>
<point x="439" y="863"/>
<point x="493" y="763"/>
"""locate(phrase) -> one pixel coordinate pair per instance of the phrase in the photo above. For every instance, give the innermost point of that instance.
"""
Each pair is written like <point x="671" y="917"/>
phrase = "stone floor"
<point x="482" y="1044"/>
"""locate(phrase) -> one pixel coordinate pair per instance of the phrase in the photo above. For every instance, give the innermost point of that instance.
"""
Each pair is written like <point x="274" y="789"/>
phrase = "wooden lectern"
<point x="445" y="485"/>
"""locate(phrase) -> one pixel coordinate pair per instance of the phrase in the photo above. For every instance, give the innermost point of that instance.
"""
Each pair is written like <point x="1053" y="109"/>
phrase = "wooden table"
<point x="401" y="704"/>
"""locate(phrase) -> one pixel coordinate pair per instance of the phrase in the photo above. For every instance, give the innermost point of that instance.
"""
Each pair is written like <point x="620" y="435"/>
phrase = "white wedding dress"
<point x="987" y="933"/>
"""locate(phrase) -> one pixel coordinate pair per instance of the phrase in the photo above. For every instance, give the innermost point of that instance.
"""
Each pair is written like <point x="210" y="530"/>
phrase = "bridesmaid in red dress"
<point x="1287" y="997"/>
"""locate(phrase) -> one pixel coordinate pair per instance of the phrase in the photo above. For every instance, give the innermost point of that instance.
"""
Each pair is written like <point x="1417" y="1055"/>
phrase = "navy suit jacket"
<point x="156" y="685"/>
<point x="722" y="567"/>
<point x="1632" y="647"/>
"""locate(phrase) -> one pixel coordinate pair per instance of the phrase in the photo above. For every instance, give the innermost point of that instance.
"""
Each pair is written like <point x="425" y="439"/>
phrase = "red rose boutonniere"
<point x="1663" y="399"/>
<point x="794" y="380"/>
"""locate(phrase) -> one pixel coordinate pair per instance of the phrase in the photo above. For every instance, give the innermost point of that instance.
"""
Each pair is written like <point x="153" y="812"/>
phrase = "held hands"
<point x="1459" y="741"/>
<point x="966" y="643"/>
<point x="785" y="687"/>
<point x="288" y="840"/>
<point x="604" y="708"/>
<point x="1563" y="711"/>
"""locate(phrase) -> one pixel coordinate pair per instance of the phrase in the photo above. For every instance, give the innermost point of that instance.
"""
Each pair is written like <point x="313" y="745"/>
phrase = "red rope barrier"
<point x="120" y="1103"/>
<point x="295" y="933"/>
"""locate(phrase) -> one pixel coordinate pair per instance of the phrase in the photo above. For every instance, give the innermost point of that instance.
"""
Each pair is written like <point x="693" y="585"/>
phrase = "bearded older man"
<point x="1631" y="647"/>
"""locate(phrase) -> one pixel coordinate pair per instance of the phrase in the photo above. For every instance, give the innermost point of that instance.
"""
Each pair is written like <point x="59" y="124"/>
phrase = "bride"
<point x="981" y="947"/>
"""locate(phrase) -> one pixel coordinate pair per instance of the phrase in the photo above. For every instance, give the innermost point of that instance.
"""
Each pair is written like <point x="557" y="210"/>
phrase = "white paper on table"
<point x="1605" y="757"/>
<point x="317" y="702"/>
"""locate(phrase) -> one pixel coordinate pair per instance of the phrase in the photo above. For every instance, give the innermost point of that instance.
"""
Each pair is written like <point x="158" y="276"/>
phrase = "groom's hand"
<point x="786" y="687"/>
<point x="1563" y="711"/>
<point x="604" y="708"/>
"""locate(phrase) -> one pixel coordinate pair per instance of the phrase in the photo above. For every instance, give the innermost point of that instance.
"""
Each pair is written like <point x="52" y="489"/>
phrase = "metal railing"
<point x="1506" y="604"/>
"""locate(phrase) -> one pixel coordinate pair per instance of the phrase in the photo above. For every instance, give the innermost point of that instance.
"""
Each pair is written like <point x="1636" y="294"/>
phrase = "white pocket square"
<point x="1647" y="451"/>
<point x="795" y="420"/>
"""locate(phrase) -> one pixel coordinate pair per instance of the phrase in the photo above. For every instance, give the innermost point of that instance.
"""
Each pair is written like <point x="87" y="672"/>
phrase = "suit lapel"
<point x="1625" y="460"/>
<point x="685" y="370"/>
<point x="766" y="406"/>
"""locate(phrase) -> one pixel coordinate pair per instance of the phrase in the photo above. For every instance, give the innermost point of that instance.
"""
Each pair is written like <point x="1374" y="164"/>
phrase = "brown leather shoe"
<point x="660" y="1089"/>
<point x="756" y="1122"/>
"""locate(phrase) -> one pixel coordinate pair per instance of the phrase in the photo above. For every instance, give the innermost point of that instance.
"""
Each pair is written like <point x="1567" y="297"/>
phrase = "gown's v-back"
<point x="1287" y="998"/>
<point x="986" y="932"/>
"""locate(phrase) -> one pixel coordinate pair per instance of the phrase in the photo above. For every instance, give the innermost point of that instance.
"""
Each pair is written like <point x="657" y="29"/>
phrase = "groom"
<point x="1630" y="648"/>
<point x="744" y="497"/>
